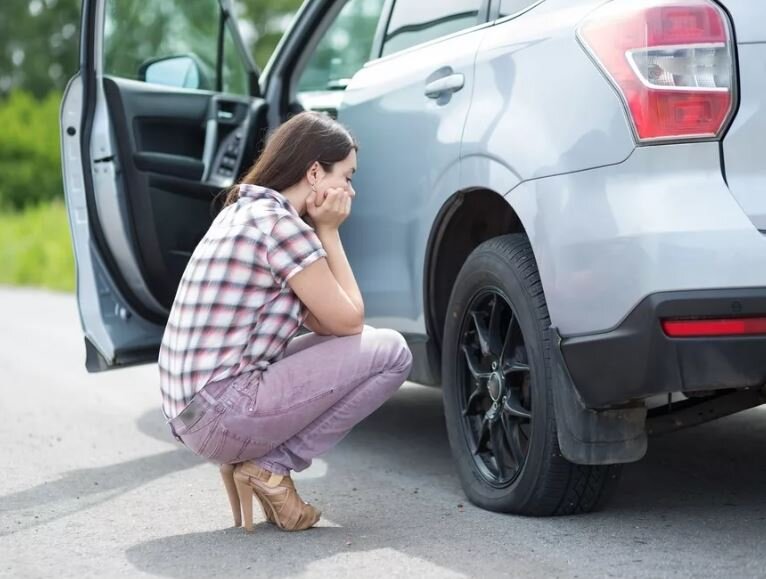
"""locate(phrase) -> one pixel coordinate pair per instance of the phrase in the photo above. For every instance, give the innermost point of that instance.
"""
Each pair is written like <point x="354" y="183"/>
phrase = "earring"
<point x="313" y="188"/>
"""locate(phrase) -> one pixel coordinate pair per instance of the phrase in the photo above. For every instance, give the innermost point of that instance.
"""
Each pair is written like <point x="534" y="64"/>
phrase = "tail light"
<point x="714" y="327"/>
<point x="671" y="61"/>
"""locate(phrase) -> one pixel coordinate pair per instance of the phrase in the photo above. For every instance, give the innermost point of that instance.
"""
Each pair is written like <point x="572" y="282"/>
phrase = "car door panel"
<point x="421" y="97"/>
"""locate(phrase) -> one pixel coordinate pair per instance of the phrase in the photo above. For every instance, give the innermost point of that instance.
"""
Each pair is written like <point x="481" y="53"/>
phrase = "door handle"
<point x="445" y="85"/>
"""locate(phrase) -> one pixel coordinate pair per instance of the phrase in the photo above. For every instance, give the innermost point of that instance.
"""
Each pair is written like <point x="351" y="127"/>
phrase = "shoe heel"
<point x="245" y="493"/>
<point x="227" y="474"/>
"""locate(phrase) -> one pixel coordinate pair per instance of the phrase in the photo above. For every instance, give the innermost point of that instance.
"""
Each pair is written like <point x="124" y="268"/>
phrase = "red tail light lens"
<point x="671" y="61"/>
<point x="714" y="327"/>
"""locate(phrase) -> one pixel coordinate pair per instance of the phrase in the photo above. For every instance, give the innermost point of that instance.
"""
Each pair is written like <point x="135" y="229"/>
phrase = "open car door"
<point x="163" y="115"/>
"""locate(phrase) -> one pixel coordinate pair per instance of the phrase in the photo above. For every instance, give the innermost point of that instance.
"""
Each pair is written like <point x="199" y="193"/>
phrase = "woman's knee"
<point x="398" y="356"/>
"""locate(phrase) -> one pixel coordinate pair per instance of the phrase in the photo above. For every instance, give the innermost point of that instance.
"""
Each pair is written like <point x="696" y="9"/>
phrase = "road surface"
<point x="93" y="486"/>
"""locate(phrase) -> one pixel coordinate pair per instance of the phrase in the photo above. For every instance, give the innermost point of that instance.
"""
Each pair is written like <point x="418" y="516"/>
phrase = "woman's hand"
<point x="330" y="212"/>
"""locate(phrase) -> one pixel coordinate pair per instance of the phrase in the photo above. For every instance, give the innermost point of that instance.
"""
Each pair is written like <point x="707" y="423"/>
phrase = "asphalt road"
<point x="93" y="486"/>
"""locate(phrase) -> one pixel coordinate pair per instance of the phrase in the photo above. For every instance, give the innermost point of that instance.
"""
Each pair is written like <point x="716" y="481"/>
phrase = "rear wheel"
<point x="497" y="387"/>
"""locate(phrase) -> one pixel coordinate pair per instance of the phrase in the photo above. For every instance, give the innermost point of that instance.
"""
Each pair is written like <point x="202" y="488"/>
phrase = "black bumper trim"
<point x="637" y="359"/>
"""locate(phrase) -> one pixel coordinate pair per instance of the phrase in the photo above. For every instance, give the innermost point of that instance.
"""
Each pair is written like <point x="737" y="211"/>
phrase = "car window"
<point x="235" y="79"/>
<point x="343" y="49"/>
<point x="171" y="42"/>
<point x="511" y="7"/>
<point x="415" y="21"/>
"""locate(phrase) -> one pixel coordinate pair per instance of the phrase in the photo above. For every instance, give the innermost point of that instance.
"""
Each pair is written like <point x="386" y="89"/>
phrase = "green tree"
<point x="29" y="150"/>
<point x="38" y="44"/>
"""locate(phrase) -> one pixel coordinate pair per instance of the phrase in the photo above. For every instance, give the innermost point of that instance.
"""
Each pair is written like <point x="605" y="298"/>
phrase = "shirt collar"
<point x="257" y="192"/>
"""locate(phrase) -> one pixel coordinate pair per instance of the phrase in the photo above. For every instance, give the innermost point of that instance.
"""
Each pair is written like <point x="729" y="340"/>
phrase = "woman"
<point x="238" y="388"/>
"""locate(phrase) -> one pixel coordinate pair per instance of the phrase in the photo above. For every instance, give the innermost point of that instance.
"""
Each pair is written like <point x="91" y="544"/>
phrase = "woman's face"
<point x="338" y="177"/>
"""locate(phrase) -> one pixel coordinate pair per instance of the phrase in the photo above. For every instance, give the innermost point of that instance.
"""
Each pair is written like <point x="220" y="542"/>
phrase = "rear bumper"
<point x="637" y="359"/>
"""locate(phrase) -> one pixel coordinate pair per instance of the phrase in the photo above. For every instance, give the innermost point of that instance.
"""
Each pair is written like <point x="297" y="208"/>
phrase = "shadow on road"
<point x="717" y="471"/>
<point x="84" y="488"/>
<point x="81" y="489"/>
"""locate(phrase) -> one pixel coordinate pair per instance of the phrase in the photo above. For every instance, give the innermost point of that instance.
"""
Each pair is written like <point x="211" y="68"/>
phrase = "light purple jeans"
<point x="301" y="406"/>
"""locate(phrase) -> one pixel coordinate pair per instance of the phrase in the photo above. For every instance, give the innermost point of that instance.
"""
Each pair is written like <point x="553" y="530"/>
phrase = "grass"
<point x="36" y="248"/>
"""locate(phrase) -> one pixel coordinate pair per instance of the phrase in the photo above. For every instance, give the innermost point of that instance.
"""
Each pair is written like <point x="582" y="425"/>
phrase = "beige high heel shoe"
<point x="227" y="474"/>
<point x="277" y="495"/>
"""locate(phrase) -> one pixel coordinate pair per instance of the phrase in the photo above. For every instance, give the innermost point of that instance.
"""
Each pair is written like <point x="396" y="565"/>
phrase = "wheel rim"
<point x="494" y="377"/>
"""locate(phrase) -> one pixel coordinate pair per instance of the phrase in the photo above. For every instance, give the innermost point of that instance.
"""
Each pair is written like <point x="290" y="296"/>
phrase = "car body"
<point x="639" y="189"/>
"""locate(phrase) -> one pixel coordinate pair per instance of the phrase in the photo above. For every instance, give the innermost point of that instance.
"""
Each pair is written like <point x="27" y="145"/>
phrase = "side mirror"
<point x="182" y="71"/>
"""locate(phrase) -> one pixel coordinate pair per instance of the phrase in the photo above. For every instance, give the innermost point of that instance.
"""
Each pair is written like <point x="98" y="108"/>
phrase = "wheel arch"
<point x="466" y="219"/>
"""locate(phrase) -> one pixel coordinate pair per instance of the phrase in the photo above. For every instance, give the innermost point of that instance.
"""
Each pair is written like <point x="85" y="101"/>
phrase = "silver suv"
<point x="561" y="204"/>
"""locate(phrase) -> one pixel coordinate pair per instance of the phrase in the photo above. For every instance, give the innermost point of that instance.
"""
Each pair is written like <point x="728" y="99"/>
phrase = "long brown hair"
<point x="293" y="148"/>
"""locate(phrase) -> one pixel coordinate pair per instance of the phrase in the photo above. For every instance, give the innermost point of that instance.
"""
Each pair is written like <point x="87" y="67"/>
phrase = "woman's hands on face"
<point x="329" y="208"/>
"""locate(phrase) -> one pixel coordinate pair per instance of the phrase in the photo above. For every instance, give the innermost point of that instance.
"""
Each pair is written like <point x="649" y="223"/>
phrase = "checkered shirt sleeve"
<point x="293" y="246"/>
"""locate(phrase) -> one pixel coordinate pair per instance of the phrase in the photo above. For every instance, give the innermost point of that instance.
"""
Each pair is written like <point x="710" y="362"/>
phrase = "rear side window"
<point x="417" y="21"/>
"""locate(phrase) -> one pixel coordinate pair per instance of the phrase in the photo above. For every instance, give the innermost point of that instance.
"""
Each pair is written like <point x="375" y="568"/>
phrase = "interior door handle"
<point x="447" y="84"/>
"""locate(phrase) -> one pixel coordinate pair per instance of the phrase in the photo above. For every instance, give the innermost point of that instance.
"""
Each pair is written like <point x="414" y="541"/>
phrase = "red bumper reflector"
<point x="714" y="327"/>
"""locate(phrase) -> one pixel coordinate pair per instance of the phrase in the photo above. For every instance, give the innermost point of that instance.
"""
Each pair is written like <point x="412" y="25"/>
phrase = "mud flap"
<point x="593" y="437"/>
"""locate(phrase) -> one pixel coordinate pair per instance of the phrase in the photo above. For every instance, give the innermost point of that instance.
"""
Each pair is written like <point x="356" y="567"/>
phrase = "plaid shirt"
<point x="234" y="311"/>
